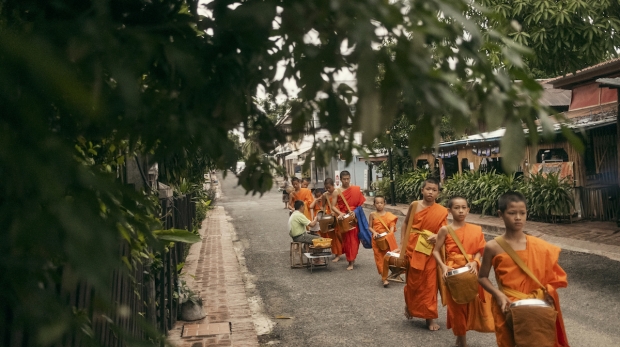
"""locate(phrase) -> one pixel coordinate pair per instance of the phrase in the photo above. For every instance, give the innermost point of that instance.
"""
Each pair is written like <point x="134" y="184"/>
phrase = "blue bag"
<point x="363" y="233"/>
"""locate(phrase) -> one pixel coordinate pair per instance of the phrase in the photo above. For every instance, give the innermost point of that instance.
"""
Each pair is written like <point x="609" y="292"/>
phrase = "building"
<point x="591" y="110"/>
<point x="294" y="154"/>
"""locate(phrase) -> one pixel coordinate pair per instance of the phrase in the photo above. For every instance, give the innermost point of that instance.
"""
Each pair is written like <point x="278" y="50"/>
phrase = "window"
<point x="464" y="164"/>
<point x="552" y="155"/>
<point x="320" y="174"/>
<point x="422" y="164"/>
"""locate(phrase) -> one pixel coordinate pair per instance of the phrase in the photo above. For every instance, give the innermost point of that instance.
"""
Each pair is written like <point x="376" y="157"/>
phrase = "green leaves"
<point x="547" y="196"/>
<point x="575" y="33"/>
<point x="177" y="235"/>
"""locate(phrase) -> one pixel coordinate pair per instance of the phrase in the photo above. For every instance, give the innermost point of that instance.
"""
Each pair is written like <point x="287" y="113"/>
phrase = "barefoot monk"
<point x="349" y="198"/>
<point x="421" y="288"/>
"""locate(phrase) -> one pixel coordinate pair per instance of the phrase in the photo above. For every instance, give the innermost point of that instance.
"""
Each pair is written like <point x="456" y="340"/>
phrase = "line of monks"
<point x="429" y="252"/>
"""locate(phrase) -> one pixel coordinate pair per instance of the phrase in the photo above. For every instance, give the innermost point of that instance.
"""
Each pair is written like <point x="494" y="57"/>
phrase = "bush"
<point x="407" y="186"/>
<point x="547" y="196"/>
<point x="383" y="187"/>
<point x="481" y="189"/>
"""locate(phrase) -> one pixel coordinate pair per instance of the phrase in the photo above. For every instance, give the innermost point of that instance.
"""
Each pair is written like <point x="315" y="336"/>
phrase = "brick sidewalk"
<point x="583" y="236"/>
<point x="217" y="277"/>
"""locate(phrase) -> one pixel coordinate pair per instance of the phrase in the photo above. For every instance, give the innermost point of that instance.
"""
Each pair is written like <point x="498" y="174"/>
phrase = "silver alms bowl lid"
<point x="458" y="271"/>
<point x="530" y="302"/>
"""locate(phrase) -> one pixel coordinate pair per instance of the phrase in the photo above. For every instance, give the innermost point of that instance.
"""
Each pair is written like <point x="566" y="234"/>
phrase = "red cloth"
<point x="542" y="258"/>
<point x="350" y="241"/>
<point x="421" y="288"/>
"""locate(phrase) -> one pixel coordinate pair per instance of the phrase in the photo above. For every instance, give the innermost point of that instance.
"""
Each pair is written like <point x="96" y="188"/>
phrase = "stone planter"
<point x="190" y="310"/>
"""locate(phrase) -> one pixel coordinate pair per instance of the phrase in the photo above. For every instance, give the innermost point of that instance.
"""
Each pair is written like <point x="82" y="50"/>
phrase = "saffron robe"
<point x="542" y="258"/>
<point x="421" y="288"/>
<point x="473" y="242"/>
<point x="390" y="220"/>
<point x="305" y="195"/>
<point x="350" y="240"/>
<point x="334" y="235"/>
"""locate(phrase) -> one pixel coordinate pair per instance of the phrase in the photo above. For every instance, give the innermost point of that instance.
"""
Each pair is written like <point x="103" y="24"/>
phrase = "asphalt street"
<point x="335" y="307"/>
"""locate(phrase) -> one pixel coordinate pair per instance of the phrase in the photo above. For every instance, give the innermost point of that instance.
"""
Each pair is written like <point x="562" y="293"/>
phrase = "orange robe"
<point x="421" y="288"/>
<point x="305" y="195"/>
<point x="350" y="240"/>
<point x="473" y="242"/>
<point x="542" y="258"/>
<point x="390" y="220"/>
<point x="335" y="236"/>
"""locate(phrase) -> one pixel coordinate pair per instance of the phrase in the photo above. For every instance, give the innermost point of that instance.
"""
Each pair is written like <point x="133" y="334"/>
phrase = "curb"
<point x="610" y="251"/>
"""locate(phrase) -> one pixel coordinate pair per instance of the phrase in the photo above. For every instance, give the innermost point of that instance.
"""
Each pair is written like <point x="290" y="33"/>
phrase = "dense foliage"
<point x="407" y="186"/>
<point x="576" y="33"/>
<point x="548" y="196"/>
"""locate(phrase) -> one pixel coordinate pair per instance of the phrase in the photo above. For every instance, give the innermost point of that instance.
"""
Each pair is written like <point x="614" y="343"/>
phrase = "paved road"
<point x="335" y="307"/>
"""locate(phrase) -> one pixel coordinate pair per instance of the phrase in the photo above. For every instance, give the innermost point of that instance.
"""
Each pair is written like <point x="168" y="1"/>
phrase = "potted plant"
<point x="190" y="303"/>
<point x="373" y="189"/>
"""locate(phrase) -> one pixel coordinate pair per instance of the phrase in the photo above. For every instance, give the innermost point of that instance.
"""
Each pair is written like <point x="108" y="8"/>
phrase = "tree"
<point x="274" y="111"/>
<point x="87" y="85"/>
<point x="576" y="33"/>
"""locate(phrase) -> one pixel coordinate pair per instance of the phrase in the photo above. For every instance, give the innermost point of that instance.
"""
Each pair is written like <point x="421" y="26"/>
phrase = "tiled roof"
<point x="599" y="65"/>
<point x="604" y="69"/>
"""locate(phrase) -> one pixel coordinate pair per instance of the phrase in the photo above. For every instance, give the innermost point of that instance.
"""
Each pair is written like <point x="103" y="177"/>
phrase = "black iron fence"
<point x="143" y="298"/>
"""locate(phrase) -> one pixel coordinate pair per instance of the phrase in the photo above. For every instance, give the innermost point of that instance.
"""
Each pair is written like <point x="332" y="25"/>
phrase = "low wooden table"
<point x="312" y="257"/>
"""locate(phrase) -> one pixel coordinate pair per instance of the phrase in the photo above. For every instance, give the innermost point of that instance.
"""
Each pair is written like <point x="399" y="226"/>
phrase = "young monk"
<point x="328" y="200"/>
<point x="382" y="221"/>
<point x="302" y="194"/>
<point x="354" y="198"/>
<point x="421" y="288"/>
<point x="315" y="207"/>
<point x="473" y="242"/>
<point x="540" y="256"/>
<point x="305" y="182"/>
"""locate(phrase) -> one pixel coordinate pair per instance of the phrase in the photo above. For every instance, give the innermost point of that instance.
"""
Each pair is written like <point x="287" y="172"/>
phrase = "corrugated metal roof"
<point x="591" y="121"/>
<point x="555" y="97"/>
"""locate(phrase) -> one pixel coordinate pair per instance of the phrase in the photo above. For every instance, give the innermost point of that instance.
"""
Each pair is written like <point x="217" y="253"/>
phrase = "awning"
<point x="298" y="152"/>
<point x="477" y="138"/>
<point x="583" y="123"/>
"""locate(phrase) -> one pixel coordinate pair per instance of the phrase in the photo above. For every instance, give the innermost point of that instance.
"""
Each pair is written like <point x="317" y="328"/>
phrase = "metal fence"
<point x="144" y="297"/>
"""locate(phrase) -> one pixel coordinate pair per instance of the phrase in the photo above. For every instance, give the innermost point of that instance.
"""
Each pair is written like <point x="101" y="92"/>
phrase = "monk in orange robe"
<point x="380" y="222"/>
<point x="354" y="198"/>
<point x="421" y="288"/>
<point x="473" y="243"/>
<point x="303" y="194"/>
<point x="328" y="200"/>
<point x="539" y="256"/>
<point x="318" y="204"/>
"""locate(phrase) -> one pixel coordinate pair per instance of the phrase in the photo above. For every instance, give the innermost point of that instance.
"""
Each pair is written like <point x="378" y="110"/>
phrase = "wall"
<point x="590" y="94"/>
<point x="579" y="169"/>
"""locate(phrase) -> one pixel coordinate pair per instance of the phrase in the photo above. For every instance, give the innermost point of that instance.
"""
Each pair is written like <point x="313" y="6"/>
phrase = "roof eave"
<point x="569" y="81"/>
